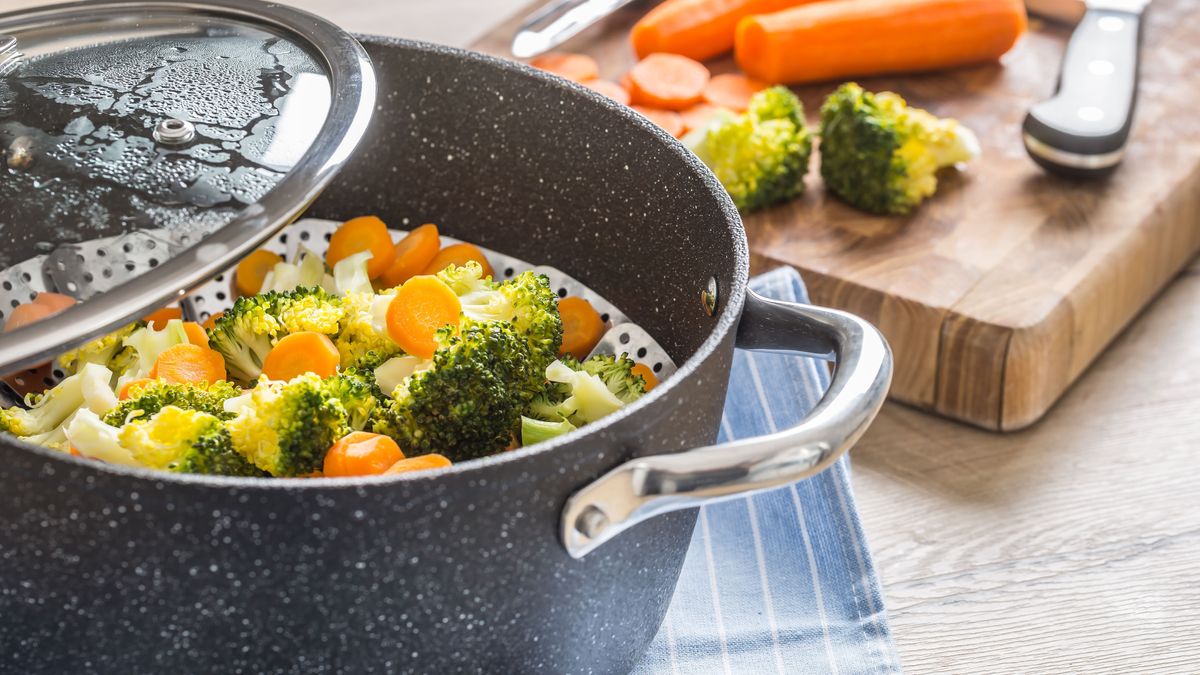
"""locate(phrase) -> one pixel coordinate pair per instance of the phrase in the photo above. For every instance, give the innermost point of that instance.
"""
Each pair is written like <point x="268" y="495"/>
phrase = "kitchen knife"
<point x="558" y="21"/>
<point x="1082" y="130"/>
<point x="1063" y="11"/>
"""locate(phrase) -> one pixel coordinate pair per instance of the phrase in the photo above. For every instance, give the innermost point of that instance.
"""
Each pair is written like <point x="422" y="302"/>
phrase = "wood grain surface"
<point x="998" y="293"/>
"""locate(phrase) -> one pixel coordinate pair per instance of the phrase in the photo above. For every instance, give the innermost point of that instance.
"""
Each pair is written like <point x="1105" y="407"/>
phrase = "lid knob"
<point x="172" y="131"/>
<point x="10" y="58"/>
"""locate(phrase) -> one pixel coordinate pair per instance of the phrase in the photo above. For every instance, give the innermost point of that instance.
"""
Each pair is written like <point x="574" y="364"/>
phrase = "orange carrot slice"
<point x="732" y="91"/>
<point x="698" y="116"/>
<point x="421" y="463"/>
<point x="421" y="307"/>
<point x="577" y="67"/>
<point x="195" y="333"/>
<point x="646" y="374"/>
<point x="610" y="89"/>
<point x="300" y="353"/>
<point x="366" y="233"/>
<point x="57" y="302"/>
<point x="625" y="82"/>
<point x="25" y="314"/>
<point x="413" y="254"/>
<point x="132" y="388"/>
<point x="582" y="327"/>
<point x="668" y="81"/>
<point x="211" y="322"/>
<point x="670" y="121"/>
<point x="252" y="270"/>
<point x="360" y="453"/>
<point x="458" y="255"/>
<point x="158" y="318"/>
<point x="183" y="363"/>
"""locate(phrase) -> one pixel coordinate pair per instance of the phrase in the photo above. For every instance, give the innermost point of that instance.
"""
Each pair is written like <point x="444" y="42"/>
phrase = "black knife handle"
<point x="1083" y="128"/>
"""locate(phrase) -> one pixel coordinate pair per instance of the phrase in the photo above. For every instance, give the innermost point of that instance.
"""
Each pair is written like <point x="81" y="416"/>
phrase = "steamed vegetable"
<point x="364" y="234"/>
<point x="760" y="156"/>
<point x="184" y="441"/>
<point x="285" y="428"/>
<point x="577" y="67"/>
<point x="667" y="81"/>
<point x="155" y="395"/>
<point x="41" y="422"/>
<point x="252" y="271"/>
<point x="250" y="329"/>
<point x="882" y="156"/>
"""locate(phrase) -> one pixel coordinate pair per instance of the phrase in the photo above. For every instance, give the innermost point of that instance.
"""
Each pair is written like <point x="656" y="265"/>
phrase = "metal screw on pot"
<point x="173" y="131"/>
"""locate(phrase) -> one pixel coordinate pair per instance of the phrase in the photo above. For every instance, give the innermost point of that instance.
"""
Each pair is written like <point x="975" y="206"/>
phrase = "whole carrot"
<point x="833" y="40"/>
<point x="698" y="29"/>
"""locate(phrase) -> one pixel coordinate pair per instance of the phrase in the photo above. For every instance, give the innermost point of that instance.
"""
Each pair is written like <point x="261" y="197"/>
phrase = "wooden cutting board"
<point x="1000" y="291"/>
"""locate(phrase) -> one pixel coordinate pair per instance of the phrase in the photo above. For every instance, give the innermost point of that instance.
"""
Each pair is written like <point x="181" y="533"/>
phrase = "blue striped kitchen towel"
<point x="781" y="582"/>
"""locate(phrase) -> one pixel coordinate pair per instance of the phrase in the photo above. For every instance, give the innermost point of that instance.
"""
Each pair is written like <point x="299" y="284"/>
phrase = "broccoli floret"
<point x="155" y="396"/>
<point x="760" y="156"/>
<point x="617" y="374"/>
<point x="109" y="351"/>
<point x="363" y="329"/>
<point x="91" y="437"/>
<point x="185" y="441"/>
<point x="882" y="156"/>
<point x="356" y="390"/>
<point x="245" y="334"/>
<point x="285" y="428"/>
<point x="41" y="423"/>
<point x="535" y="430"/>
<point x="581" y="393"/>
<point x="469" y="403"/>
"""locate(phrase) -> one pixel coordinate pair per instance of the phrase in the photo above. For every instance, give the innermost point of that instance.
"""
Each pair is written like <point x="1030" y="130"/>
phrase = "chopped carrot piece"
<point x="669" y="120"/>
<point x="625" y="82"/>
<point x="422" y="306"/>
<point x="25" y="314"/>
<point x="700" y="29"/>
<point x="158" y="318"/>
<point x="668" y="81"/>
<point x="413" y="254"/>
<point x="132" y="388"/>
<point x="72" y="450"/>
<point x="300" y="353"/>
<point x="421" y="463"/>
<point x="577" y="67"/>
<point x="732" y="91"/>
<point x="610" y="89"/>
<point x="646" y="374"/>
<point x="459" y="255"/>
<point x="360" y="453"/>
<point x="211" y="322"/>
<point x="195" y="333"/>
<point x="57" y="302"/>
<point x="699" y="115"/>
<point x="252" y="270"/>
<point x="366" y="233"/>
<point x="189" y="363"/>
<point x="582" y="327"/>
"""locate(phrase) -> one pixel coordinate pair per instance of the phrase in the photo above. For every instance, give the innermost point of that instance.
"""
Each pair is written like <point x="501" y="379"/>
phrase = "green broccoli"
<point x="247" y="332"/>
<point x="363" y="330"/>
<point x="617" y="374"/>
<point x="355" y="388"/>
<point x="185" y="441"/>
<point x="155" y="396"/>
<point x="109" y="351"/>
<point x="285" y="428"/>
<point x="468" y="404"/>
<point x="535" y="431"/>
<point x="760" y="156"/>
<point x="581" y="393"/>
<point x="882" y="156"/>
<point x="42" y="422"/>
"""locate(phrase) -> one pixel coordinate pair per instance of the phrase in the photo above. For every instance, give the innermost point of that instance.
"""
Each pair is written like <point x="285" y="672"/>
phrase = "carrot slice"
<point x="57" y="302"/>
<point x="582" y="327"/>
<point x="25" y="314"/>
<point x="668" y="81"/>
<point x="211" y="322"/>
<point x="132" y="388"/>
<point x="577" y="67"/>
<point x="195" y="333"/>
<point x="252" y="270"/>
<point x="366" y="233"/>
<point x="300" y="353"/>
<point x="158" y="318"/>
<point x="413" y="254"/>
<point x="670" y="121"/>
<point x="421" y="307"/>
<point x="625" y="82"/>
<point x="424" y="462"/>
<point x="360" y="453"/>
<point x="732" y="91"/>
<point x="699" y="116"/>
<point x="610" y="89"/>
<point x="459" y="255"/>
<point x="189" y="363"/>
<point x="646" y="374"/>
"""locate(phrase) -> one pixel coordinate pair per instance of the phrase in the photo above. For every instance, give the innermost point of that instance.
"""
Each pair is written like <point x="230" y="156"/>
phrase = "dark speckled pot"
<point x="119" y="571"/>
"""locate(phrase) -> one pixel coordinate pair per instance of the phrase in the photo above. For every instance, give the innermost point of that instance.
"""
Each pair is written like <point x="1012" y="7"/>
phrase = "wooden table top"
<point x="1073" y="545"/>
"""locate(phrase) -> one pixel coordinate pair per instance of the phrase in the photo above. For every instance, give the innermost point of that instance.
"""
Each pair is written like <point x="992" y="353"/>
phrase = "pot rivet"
<point x="708" y="296"/>
<point x="172" y="131"/>
<point x="591" y="522"/>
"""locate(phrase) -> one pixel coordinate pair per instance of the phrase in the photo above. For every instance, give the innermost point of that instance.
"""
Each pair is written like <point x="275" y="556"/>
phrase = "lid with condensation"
<point x="146" y="146"/>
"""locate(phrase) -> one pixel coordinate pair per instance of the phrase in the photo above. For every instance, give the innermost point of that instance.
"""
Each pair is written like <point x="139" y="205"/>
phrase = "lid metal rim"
<point x="350" y="112"/>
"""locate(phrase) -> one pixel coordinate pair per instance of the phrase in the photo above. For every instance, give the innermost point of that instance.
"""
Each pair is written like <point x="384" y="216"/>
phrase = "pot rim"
<point x="730" y="306"/>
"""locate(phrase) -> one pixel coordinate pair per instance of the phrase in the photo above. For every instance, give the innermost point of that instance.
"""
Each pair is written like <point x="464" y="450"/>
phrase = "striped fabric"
<point x="781" y="582"/>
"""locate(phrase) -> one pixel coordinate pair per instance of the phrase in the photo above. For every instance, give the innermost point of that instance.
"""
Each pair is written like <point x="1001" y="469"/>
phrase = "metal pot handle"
<point x="648" y="486"/>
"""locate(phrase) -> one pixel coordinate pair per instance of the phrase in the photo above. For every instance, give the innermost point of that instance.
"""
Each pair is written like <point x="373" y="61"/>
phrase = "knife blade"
<point x="557" y="22"/>
<point x="1083" y="129"/>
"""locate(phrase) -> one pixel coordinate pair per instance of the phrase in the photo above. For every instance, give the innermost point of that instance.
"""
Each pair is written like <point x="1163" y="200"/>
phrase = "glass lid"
<point x="147" y="146"/>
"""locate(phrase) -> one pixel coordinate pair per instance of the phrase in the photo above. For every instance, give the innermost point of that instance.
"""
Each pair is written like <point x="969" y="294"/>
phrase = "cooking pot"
<point x="557" y="558"/>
